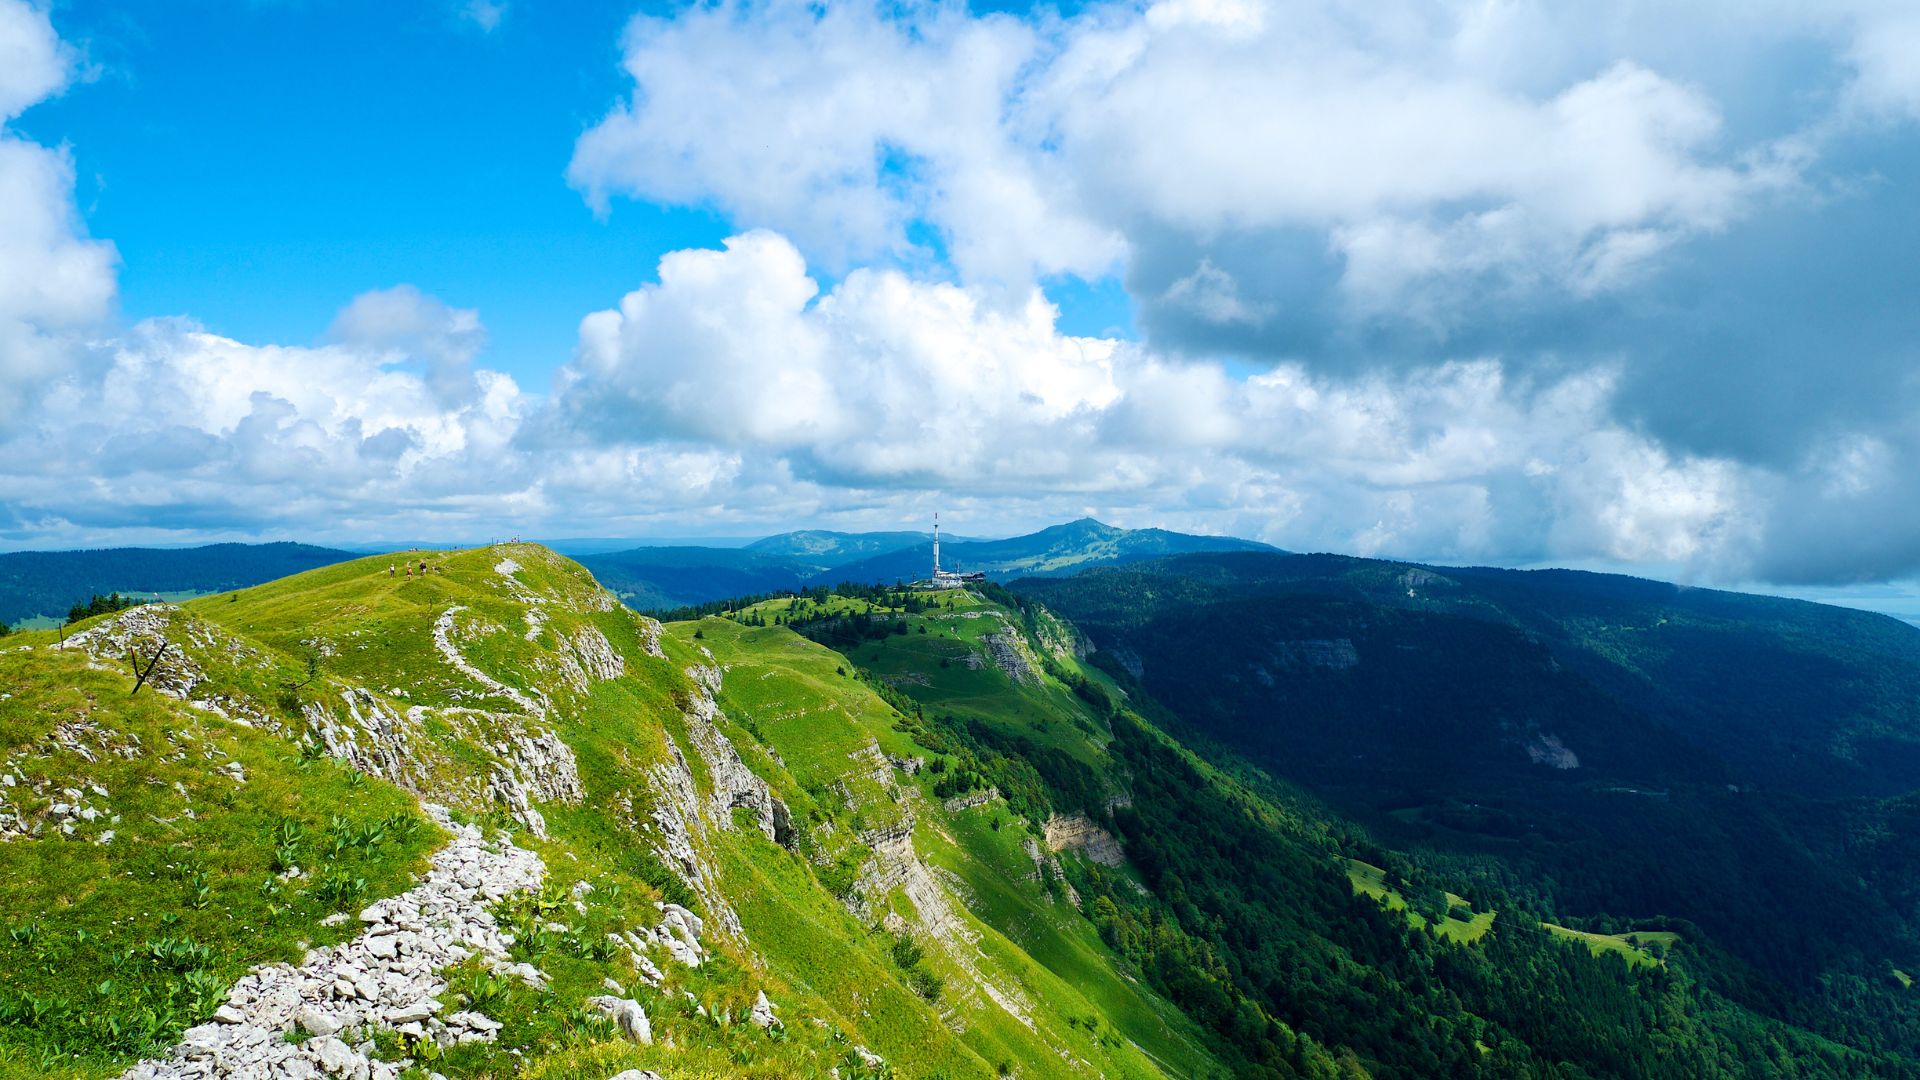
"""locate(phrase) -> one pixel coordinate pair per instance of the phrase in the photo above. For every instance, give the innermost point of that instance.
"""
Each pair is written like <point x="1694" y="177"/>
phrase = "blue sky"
<point x="259" y="164"/>
<point x="1516" y="283"/>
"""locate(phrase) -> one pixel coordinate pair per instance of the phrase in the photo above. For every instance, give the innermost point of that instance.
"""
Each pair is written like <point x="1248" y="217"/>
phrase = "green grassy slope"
<point x="1033" y="953"/>
<point x="165" y="852"/>
<point x="505" y="684"/>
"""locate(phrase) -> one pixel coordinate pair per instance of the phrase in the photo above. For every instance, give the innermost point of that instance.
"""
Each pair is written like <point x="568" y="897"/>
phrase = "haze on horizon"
<point x="1513" y="283"/>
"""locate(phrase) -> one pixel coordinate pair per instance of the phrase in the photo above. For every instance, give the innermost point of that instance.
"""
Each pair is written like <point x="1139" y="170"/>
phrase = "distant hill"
<point x="662" y="578"/>
<point x="1822" y="699"/>
<point x="47" y="583"/>
<point x="1059" y="549"/>
<point x="827" y="549"/>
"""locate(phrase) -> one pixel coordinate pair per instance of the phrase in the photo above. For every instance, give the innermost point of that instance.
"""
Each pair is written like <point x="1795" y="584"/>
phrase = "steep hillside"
<point x="623" y="873"/>
<point x="46" y="583"/>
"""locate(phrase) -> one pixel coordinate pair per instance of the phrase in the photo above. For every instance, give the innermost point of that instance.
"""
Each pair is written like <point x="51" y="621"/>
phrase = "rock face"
<point x="378" y="741"/>
<point x="594" y="655"/>
<point x="530" y="767"/>
<point x="184" y="646"/>
<point x="678" y="933"/>
<point x="971" y="800"/>
<point x="896" y="865"/>
<point x="530" y="764"/>
<point x="141" y="632"/>
<point x="285" y="1021"/>
<point x="734" y="785"/>
<point x="677" y="822"/>
<point x="681" y="818"/>
<point x="1007" y="650"/>
<point x="1548" y="750"/>
<point x="1077" y="832"/>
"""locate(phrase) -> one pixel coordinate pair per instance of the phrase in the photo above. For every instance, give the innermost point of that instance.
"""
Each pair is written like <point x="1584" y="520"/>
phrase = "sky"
<point x="1624" y="286"/>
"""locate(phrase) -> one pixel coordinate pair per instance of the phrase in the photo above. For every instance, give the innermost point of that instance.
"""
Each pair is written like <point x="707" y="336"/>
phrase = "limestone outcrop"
<point x="1077" y="832"/>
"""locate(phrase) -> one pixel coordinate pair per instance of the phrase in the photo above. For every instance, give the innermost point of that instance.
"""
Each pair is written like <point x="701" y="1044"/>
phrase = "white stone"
<point x="762" y="1014"/>
<point x="627" y="1013"/>
<point x="317" y="1021"/>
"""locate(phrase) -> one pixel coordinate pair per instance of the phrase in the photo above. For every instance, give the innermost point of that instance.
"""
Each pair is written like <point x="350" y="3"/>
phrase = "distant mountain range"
<point x="662" y="578"/>
<point x="649" y="577"/>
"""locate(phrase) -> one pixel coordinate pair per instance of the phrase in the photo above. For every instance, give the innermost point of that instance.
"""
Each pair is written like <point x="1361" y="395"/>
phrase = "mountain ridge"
<point x="662" y="579"/>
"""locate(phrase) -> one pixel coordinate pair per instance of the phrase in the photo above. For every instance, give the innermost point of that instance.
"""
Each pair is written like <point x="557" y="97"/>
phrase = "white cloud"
<point x="890" y="385"/>
<point x="213" y="433"/>
<point x="843" y="128"/>
<point x="1883" y="46"/>
<point x="1043" y="146"/>
<point x="54" y="281"/>
<point x="407" y="324"/>
<point x="485" y="14"/>
<point x="734" y="390"/>
<point x="34" y="62"/>
<point x="1436" y="159"/>
<point x="883" y="377"/>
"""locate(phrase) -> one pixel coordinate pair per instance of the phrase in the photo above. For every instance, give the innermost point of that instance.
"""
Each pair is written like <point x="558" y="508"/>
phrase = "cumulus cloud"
<point x="54" y="281"/>
<point x="258" y="435"/>
<point x="844" y="129"/>
<point x="887" y="384"/>
<point x="884" y="378"/>
<point x="409" y="326"/>
<point x="736" y="389"/>
<point x="1585" y="193"/>
<point x="1043" y="145"/>
<point x="34" y="62"/>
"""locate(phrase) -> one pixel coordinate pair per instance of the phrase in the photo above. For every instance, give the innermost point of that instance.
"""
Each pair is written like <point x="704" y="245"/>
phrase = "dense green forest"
<point x="48" y="584"/>
<point x="1503" y="736"/>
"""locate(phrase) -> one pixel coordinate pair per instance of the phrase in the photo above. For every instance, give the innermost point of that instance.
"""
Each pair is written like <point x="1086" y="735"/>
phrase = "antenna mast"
<point x="936" y="544"/>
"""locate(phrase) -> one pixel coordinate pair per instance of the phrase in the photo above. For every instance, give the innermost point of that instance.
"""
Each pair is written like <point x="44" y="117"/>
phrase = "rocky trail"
<point x="388" y="977"/>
